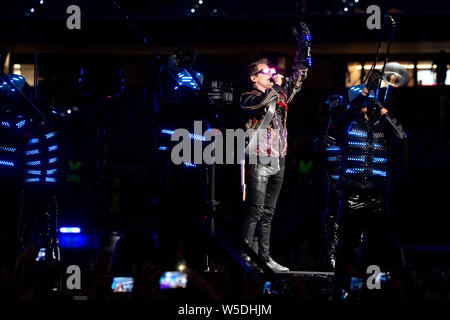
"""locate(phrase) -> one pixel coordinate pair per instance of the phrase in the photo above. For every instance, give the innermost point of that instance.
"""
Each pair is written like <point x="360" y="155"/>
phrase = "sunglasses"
<point x="266" y="71"/>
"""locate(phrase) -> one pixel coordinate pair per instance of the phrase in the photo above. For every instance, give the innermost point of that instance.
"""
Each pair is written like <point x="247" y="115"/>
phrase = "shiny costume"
<point x="330" y="151"/>
<point x="364" y="184"/>
<point x="29" y="168"/>
<point x="264" y="181"/>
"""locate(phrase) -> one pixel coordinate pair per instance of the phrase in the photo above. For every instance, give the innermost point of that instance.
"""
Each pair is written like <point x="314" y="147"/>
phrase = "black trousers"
<point x="364" y="237"/>
<point x="263" y="189"/>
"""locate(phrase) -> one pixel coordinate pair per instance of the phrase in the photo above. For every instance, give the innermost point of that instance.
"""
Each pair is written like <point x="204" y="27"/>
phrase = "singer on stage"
<point x="265" y="108"/>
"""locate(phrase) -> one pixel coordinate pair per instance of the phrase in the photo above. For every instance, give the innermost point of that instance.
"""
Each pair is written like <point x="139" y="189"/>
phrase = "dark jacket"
<point x="364" y="145"/>
<point x="254" y="105"/>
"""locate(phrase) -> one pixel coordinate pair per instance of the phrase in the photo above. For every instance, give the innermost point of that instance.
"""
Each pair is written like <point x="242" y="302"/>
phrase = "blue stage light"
<point x="162" y="148"/>
<point x="34" y="163"/>
<point x="47" y="179"/>
<point x="52" y="160"/>
<point x="333" y="148"/>
<point x="32" y="180"/>
<point x="70" y="229"/>
<point x="6" y="124"/>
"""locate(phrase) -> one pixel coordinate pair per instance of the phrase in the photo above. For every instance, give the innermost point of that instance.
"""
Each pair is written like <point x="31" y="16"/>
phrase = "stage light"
<point x="200" y="2"/>
<point x="32" y="10"/>
<point x="192" y="10"/>
<point x="41" y="2"/>
<point x="345" y="9"/>
<point x="162" y="148"/>
<point x="181" y="267"/>
<point x="69" y="111"/>
<point x="70" y="230"/>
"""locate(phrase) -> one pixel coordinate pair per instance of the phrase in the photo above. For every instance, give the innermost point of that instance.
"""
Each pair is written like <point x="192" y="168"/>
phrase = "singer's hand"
<point x="278" y="79"/>
<point x="383" y="111"/>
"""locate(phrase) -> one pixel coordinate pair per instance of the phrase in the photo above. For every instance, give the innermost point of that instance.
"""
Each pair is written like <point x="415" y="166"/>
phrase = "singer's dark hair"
<point x="253" y="67"/>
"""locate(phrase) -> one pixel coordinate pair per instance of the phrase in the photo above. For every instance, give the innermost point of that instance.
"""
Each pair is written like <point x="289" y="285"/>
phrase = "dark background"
<point x="129" y="193"/>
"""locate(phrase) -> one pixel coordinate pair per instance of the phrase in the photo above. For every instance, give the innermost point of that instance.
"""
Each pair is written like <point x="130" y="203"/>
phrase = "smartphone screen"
<point x="356" y="284"/>
<point x="122" y="284"/>
<point x="173" y="279"/>
<point x="41" y="255"/>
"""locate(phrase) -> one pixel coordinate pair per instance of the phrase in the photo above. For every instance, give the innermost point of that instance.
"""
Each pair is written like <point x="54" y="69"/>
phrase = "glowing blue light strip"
<point x="50" y="135"/>
<point x="70" y="230"/>
<point x="378" y="146"/>
<point x="52" y="160"/>
<point x="5" y="124"/>
<point x="33" y="141"/>
<point x="9" y="149"/>
<point x="34" y="163"/>
<point x="34" y="172"/>
<point x="357" y="133"/>
<point x="358" y="144"/>
<point x="187" y="164"/>
<point x="333" y="148"/>
<point x="32" y="180"/>
<point x="356" y="158"/>
<point x="7" y="163"/>
<point x="355" y="170"/>
<point x="47" y="179"/>
<point x="162" y="148"/>
<point x="191" y="135"/>
<point x="379" y="173"/>
<point x="379" y="160"/>
<point x="51" y="171"/>
<point x="20" y="124"/>
<point x="32" y="152"/>
<point x="52" y="148"/>
<point x="335" y="176"/>
<point x="332" y="159"/>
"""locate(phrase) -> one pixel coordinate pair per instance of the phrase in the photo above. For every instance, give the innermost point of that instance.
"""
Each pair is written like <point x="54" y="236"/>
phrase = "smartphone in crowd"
<point x="122" y="284"/>
<point x="172" y="280"/>
<point x="41" y="255"/>
<point x="356" y="284"/>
